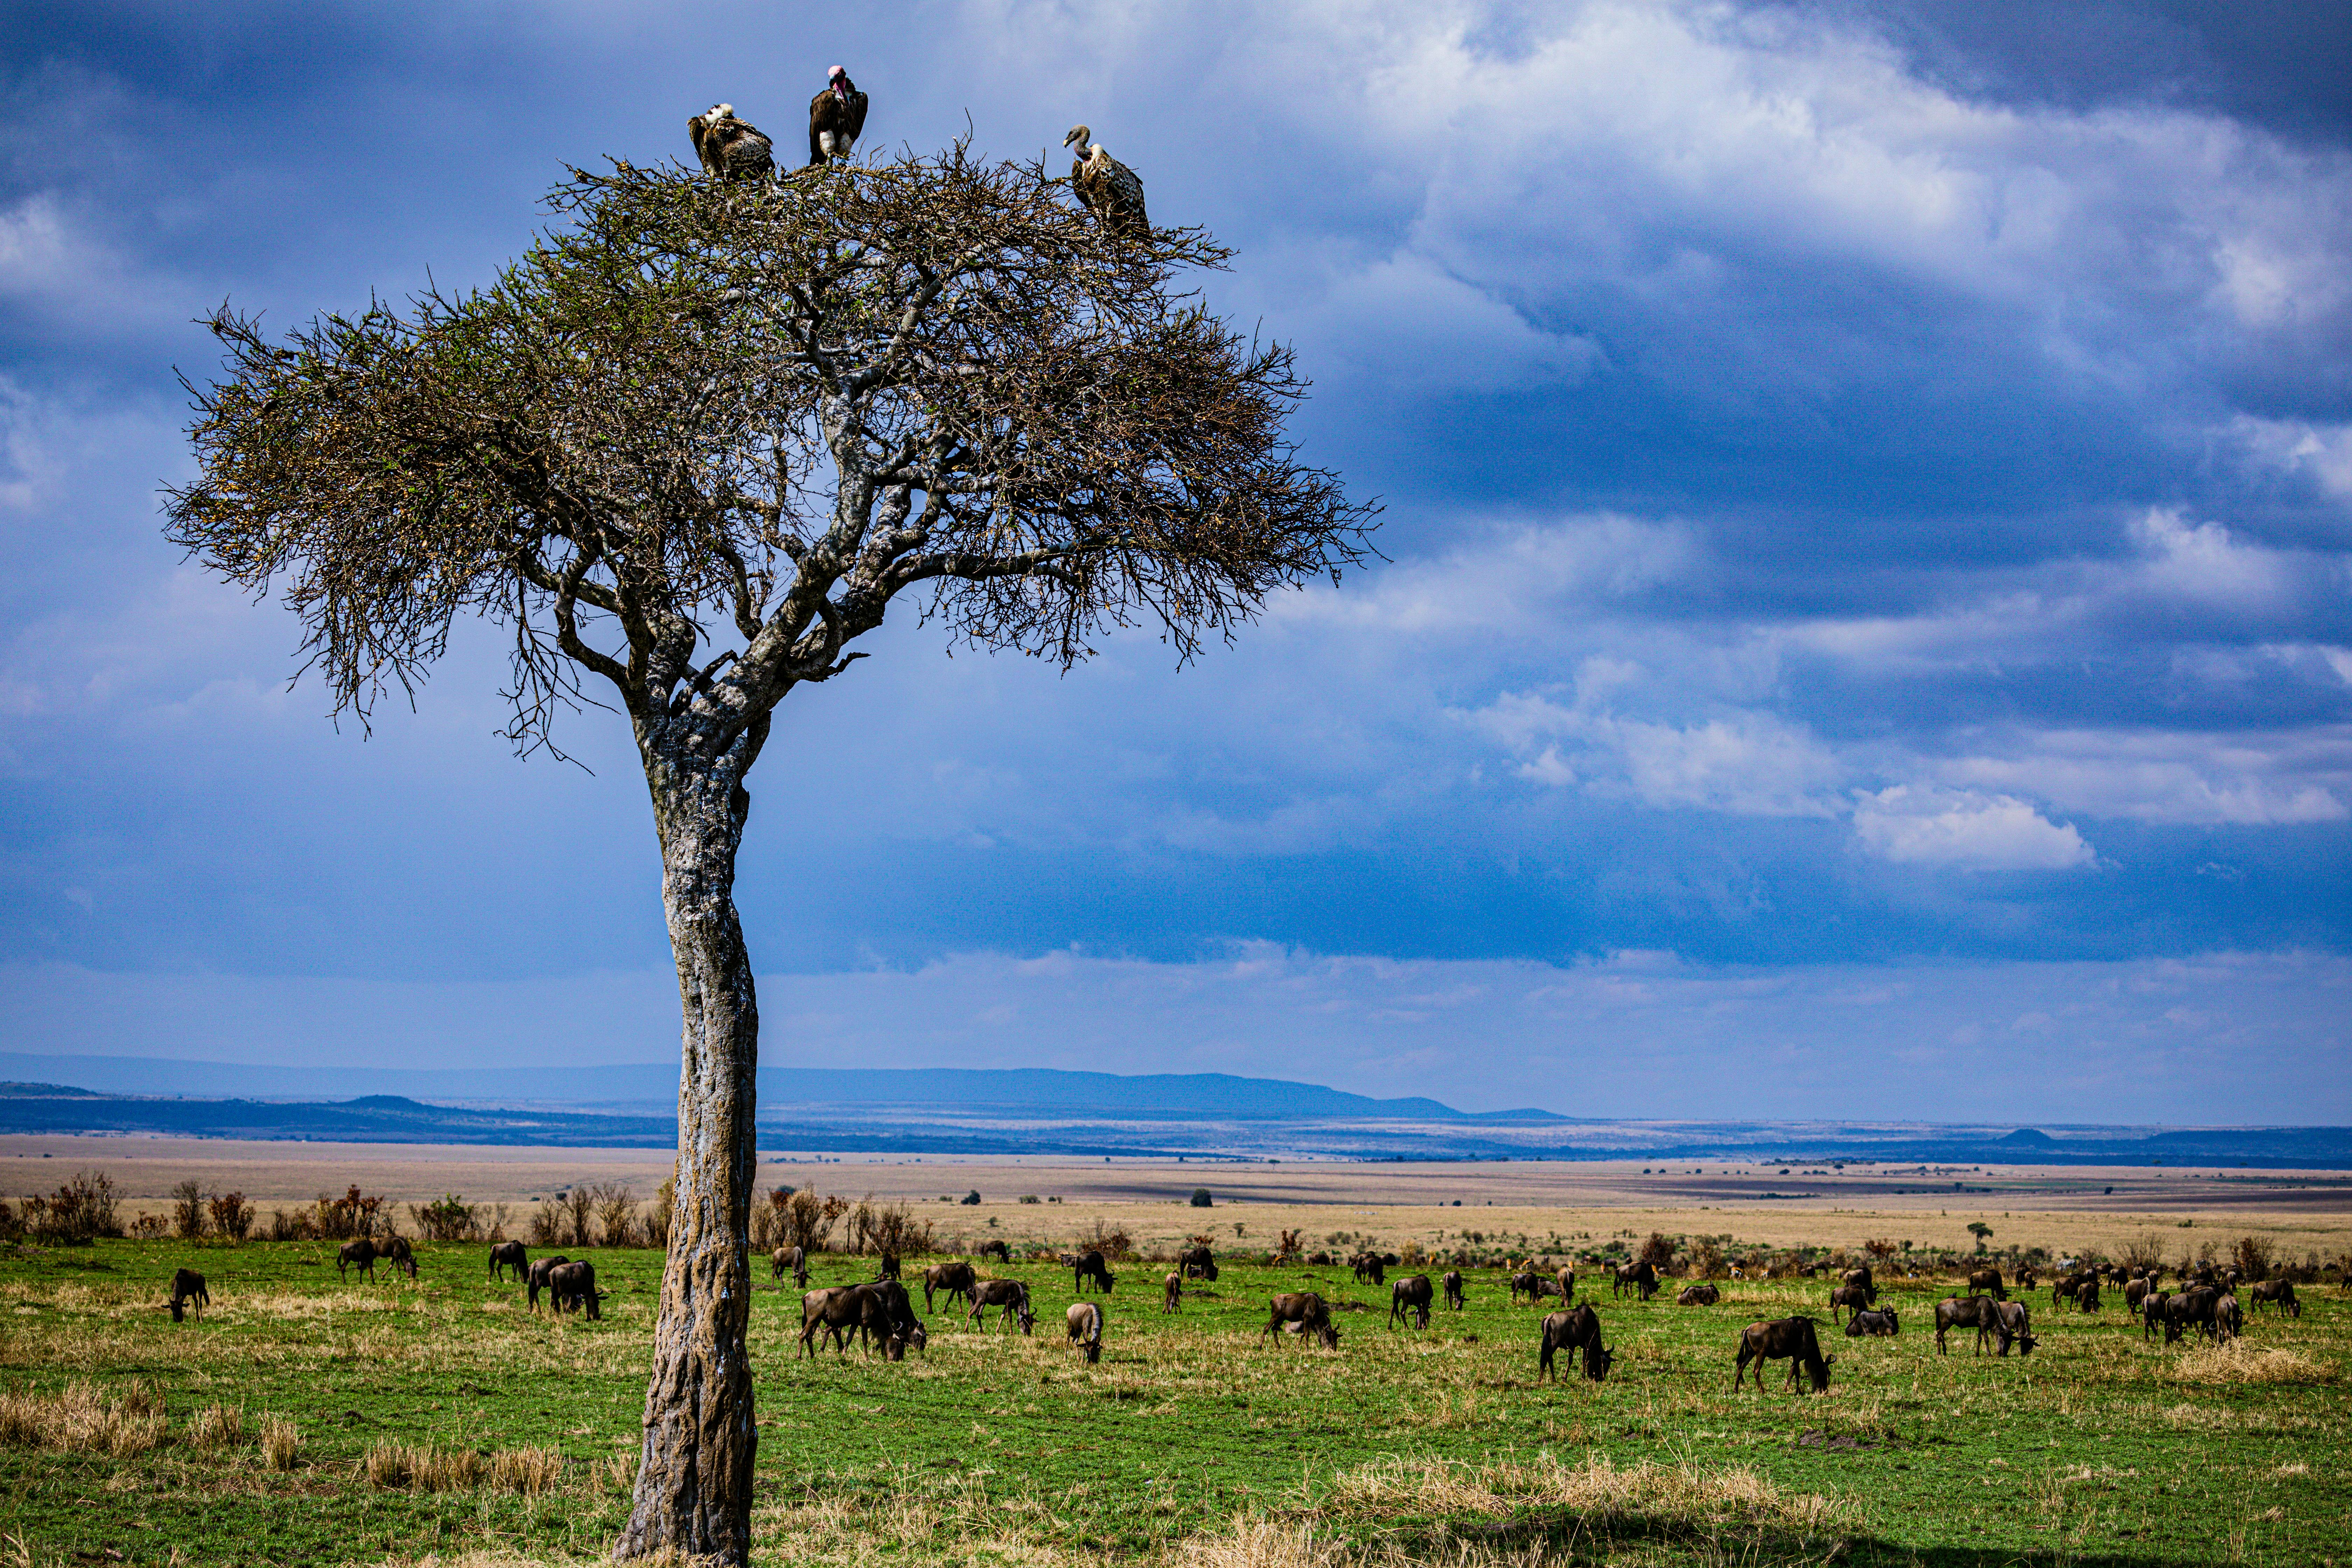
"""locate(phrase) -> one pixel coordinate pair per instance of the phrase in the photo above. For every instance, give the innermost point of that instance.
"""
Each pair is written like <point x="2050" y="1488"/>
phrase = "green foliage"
<point x="1201" y="1198"/>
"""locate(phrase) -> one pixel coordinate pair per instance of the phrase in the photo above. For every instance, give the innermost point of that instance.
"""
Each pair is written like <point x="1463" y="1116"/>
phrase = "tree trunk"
<point x="694" y="1473"/>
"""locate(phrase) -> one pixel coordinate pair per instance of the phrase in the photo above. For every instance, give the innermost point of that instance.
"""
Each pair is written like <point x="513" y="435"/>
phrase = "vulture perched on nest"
<point x="1108" y="187"/>
<point x="836" y="116"/>
<point x="731" y="148"/>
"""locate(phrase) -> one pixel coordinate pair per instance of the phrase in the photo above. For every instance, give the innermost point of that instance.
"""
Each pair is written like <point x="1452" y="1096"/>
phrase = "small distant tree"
<point x="232" y="1217"/>
<point x="692" y="446"/>
<point x="1201" y="1198"/>
<point x="1981" y="1231"/>
<point x="616" y="1213"/>
<point x="1658" y="1251"/>
<point x="972" y="1197"/>
<point x="579" y="1204"/>
<point x="2252" y="1255"/>
<point x="188" y="1210"/>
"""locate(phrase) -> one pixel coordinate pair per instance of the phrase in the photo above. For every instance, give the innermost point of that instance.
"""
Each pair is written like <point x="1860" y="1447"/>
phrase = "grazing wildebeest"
<point x="535" y="1279"/>
<point x="2014" y="1324"/>
<point x="1564" y="1279"/>
<point x="2134" y="1292"/>
<point x="1964" y="1312"/>
<point x="789" y="1261"/>
<point x="1878" y="1322"/>
<point x="2279" y="1293"/>
<point x="1860" y="1276"/>
<point x="1085" y="1321"/>
<point x="187" y="1285"/>
<point x="2228" y="1322"/>
<point x="1172" y="1292"/>
<point x="1304" y="1308"/>
<point x="397" y="1251"/>
<point x="1847" y="1298"/>
<point x="1090" y="1266"/>
<point x="1987" y="1282"/>
<point x="1008" y="1295"/>
<point x="2151" y="1315"/>
<point x="1453" y="1283"/>
<point x="1699" y="1295"/>
<point x="833" y="1310"/>
<point x="1526" y="1283"/>
<point x="1199" y="1263"/>
<point x="2026" y="1279"/>
<point x="571" y="1287"/>
<point x="2062" y="1288"/>
<point x="996" y="1249"/>
<point x="2086" y="1294"/>
<point x="1371" y="1269"/>
<point x="889" y="1270"/>
<point x="1577" y="1330"/>
<point x="2192" y="1307"/>
<point x="360" y="1254"/>
<point x="885" y="1314"/>
<point x="508" y="1257"/>
<point x="956" y="1279"/>
<point x="1411" y="1294"/>
<point x="1786" y="1339"/>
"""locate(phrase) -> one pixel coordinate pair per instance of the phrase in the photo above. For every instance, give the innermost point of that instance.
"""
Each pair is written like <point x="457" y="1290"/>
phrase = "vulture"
<point x="1108" y="187"/>
<point x="731" y="148"/>
<point x="836" y="116"/>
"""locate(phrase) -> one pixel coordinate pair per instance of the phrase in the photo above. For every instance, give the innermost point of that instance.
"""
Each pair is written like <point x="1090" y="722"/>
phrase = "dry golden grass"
<point x="2237" y="1361"/>
<point x="82" y="1420"/>
<point x="424" y="1466"/>
<point x="1607" y="1495"/>
<point x="526" y="1471"/>
<point x="281" y="1445"/>
<point x="217" y="1426"/>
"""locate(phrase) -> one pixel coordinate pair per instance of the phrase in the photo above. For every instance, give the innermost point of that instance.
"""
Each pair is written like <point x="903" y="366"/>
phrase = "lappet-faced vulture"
<point x="731" y="148"/>
<point x="836" y="116"/>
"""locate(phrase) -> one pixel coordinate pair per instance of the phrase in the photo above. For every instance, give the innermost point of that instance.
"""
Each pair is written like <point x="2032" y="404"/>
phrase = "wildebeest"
<point x="1304" y="1308"/>
<point x="1172" y="1292"/>
<point x="1699" y="1295"/>
<point x="889" y="1268"/>
<point x="2228" y="1322"/>
<point x="1199" y="1263"/>
<point x="885" y="1314"/>
<point x="1577" y="1330"/>
<point x="187" y="1285"/>
<point x="535" y="1278"/>
<point x="2279" y="1293"/>
<point x="1847" y="1298"/>
<point x="1987" y="1282"/>
<point x="1085" y="1323"/>
<point x="2014" y="1324"/>
<point x="2136" y="1291"/>
<point x="2026" y="1279"/>
<point x="1639" y="1278"/>
<point x="2086" y="1294"/>
<point x="1453" y="1283"/>
<point x="1565" y="1280"/>
<point x="2151" y="1315"/>
<point x="1861" y="1278"/>
<point x="1527" y="1283"/>
<point x="1786" y="1339"/>
<point x="571" y="1288"/>
<point x="508" y="1257"/>
<point x="1370" y="1267"/>
<point x="1411" y="1294"/>
<point x="1965" y="1312"/>
<point x="397" y="1251"/>
<point x="789" y="1261"/>
<point x="1010" y="1296"/>
<point x="996" y="1249"/>
<point x="1090" y="1266"/>
<point x="360" y="1254"/>
<point x="955" y="1278"/>
<point x="2062" y="1288"/>
<point x="1877" y="1322"/>
<point x="2192" y="1307"/>
<point x="832" y="1309"/>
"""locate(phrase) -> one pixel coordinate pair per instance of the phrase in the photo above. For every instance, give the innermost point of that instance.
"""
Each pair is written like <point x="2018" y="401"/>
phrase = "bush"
<point x="616" y="1211"/>
<point x="1201" y="1198"/>
<point x="1658" y="1252"/>
<point x="77" y="1214"/>
<point x="971" y="1198"/>
<point x="232" y="1217"/>
<point x="1028" y="1197"/>
<point x="665" y="1208"/>
<point x="2252" y="1255"/>
<point x="446" y="1219"/>
<point x="188" y="1210"/>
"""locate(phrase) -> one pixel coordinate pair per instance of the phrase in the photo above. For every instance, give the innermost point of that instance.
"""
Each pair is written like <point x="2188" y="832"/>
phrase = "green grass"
<point x="1190" y="1439"/>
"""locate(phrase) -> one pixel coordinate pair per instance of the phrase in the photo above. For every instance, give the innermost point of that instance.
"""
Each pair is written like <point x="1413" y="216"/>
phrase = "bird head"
<point x="720" y="111"/>
<point x="1077" y="136"/>
<point x="837" y="80"/>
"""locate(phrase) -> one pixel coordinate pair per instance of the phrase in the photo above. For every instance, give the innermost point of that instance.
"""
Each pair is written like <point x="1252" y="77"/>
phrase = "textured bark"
<point x="694" y="1474"/>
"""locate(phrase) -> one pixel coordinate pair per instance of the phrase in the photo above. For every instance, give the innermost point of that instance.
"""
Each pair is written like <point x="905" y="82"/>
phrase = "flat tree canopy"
<point x="692" y="444"/>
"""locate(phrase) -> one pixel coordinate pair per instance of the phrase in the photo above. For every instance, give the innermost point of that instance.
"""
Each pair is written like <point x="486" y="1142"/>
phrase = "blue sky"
<point x="1868" y="629"/>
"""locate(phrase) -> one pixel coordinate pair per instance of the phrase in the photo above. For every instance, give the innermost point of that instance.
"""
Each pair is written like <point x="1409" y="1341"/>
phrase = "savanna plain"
<point x="309" y="1418"/>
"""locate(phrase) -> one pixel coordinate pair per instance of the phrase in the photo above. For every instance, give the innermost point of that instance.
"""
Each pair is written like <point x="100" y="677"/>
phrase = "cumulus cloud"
<point x="1914" y="825"/>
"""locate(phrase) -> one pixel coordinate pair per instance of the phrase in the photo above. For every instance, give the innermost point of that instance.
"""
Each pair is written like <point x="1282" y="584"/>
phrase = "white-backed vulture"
<point x="1108" y="187"/>
<point x="731" y="148"/>
<point x="836" y="116"/>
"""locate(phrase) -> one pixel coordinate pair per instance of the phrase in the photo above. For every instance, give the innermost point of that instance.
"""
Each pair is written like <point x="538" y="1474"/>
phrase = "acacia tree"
<point x="695" y="443"/>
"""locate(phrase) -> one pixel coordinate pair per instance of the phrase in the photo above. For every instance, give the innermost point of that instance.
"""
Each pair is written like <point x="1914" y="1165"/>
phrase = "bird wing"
<point x="1126" y="193"/>
<point x="747" y="149"/>
<point x="820" y="122"/>
<point x="856" y="126"/>
<point x="696" y="129"/>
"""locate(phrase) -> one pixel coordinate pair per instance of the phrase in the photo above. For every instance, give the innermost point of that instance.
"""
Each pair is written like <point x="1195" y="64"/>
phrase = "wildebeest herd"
<point x="879" y="1312"/>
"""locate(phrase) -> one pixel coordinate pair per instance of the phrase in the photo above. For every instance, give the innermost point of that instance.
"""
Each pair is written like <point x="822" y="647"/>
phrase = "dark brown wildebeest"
<point x="1860" y="1276"/>
<point x="1198" y="1263"/>
<point x="1876" y="1322"/>
<point x="1565" y="1280"/>
<point x="397" y="1251"/>
<point x="1453" y="1283"/>
<point x="1965" y="1312"/>
<point x="956" y="1279"/>
<point x="1411" y="1294"/>
<point x="2228" y="1322"/>
<point x="885" y="1314"/>
<point x="510" y="1258"/>
<point x="1084" y="1323"/>
<point x="1792" y="1339"/>
<point x="1699" y="1295"/>
<point x="535" y="1279"/>
<point x="1304" y="1308"/>
<point x="1090" y="1266"/>
<point x="187" y="1285"/>
<point x="789" y="1261"/>
<point x="1847" y="1298"/>
<point x="996" y="1249"/>
<point x="1987" y="1282"/>
<point x="2015" y="1325"/>
<point x="1576" y="1330"/>
<point x="1527" y="1283"/>
<point x="2279" y="1293"/>
<point x="1370" y="1267"/>
<point x="2192" y="1307"/>
<point x="1010" y="1296"/>
<point x="889" y="1268"/>
<point x="2026" y="1279"/>
<point x="2151" y="1315"/>
<point x="2062" y="1288"/>
<point x="571" y="1288"/>
<point x="1643" y="1276"/>
<point x="1172" y="1292"/>
<point x="2134" y="1292"/>
<point x="833" y="1310"/>
<point x="360" y="1254"/>
<point x="2086" y="1294"/>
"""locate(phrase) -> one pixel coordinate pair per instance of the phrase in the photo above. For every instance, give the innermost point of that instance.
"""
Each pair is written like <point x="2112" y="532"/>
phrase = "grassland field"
<point x="308" y="1420"/>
